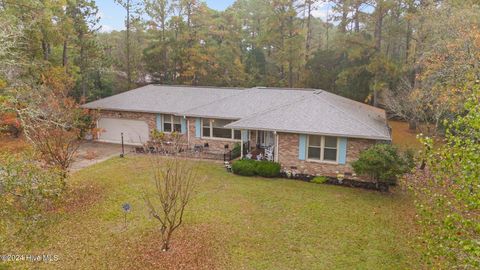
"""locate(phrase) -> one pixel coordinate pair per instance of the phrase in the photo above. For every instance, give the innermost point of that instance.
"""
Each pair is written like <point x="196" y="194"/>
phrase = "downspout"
<point x="188" y="131"/>
<point x="275" y="153"/>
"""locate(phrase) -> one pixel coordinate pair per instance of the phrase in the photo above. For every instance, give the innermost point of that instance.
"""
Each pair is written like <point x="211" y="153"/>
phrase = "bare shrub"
<point x="174" y="180"/>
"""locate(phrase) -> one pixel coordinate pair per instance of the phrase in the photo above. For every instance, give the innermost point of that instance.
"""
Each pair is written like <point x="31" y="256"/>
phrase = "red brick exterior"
<point x="287" y="146"/>
<point x="288" y="156"/>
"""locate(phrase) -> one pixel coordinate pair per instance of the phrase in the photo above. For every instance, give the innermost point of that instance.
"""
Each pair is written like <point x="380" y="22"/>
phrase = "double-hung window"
<point x="172" y="123"/>
<point x="206" y="128"/>
<point x="215" y="128"/>
<point x="322" y="148"/>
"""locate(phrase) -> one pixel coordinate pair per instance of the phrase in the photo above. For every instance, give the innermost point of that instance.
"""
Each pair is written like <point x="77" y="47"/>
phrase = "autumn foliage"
<point x="52" y="120"/>
<point x="446" y="189"/>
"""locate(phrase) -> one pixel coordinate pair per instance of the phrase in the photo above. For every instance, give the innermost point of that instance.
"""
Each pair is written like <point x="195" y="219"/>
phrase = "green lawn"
<point x="233" y="223"/>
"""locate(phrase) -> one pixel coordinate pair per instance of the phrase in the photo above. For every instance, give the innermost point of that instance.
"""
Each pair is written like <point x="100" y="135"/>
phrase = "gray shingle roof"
<point x="321" y="113"/>
<point x="162" y="99"/>
<point x="287" y="110"/>
<point x="247" y="102"/>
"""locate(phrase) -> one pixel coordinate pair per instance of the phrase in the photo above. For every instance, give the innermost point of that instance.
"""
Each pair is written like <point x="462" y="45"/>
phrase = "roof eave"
<point x="130" y="110"/>
<point x="211" y="116"/>
<point x="160" y="112"/>
<point x="356" y="136"/>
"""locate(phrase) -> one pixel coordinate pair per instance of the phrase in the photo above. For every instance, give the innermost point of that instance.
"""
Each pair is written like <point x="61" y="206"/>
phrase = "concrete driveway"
<point x="91" y="153"/>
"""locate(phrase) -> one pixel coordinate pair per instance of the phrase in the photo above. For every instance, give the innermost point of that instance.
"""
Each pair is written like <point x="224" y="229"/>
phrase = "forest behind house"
<point x="413" y="57"/>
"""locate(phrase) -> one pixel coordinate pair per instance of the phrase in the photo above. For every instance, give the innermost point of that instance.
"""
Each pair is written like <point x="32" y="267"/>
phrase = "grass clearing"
<point x="403" y="137"/>
<point x="233" y="222"/>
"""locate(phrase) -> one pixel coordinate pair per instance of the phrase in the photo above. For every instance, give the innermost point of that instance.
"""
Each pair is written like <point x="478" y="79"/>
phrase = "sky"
<point x="112" y="15"/>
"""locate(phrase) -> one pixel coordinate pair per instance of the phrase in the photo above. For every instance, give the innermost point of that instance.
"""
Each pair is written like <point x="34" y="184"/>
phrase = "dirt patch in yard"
<point x="192" y="247"/>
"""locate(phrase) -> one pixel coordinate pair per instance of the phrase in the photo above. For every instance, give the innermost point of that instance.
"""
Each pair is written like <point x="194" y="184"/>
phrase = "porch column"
<point x="275" y="150"/>
<point x="244" y="138"/>
<point x="241" y="150"/>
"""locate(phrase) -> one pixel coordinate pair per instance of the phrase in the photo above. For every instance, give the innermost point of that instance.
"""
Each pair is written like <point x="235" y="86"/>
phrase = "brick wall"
<point x="150" y="119"/>
<point x="287" y="144"/>
<point x="288" y="156"/>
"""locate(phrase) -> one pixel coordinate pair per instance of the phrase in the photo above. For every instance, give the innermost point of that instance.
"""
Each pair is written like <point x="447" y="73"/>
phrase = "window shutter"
<point x="342" y="150"/>
<point x="302" y="146"/>
<point x="184" y="125"/>
<point x="159" y="122"/>
<point x="244" y="135"/>
<point x="198" y="128"/>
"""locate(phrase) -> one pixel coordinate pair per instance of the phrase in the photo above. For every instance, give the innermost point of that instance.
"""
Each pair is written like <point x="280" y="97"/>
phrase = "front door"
<point x="266" y="138"/>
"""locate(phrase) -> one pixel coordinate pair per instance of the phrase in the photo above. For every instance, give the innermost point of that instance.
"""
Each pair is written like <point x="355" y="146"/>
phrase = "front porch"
<point x="259" y="145"/>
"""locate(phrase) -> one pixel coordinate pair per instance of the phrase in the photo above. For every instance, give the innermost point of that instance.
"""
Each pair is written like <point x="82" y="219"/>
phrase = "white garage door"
<point x="134" y="131"/>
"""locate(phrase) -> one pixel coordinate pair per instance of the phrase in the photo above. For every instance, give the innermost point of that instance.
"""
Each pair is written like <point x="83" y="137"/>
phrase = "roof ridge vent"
<point x="316" y="92"/>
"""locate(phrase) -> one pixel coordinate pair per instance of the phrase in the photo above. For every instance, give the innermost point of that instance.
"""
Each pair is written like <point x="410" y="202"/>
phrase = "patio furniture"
<point x="269" y="153"/>
<point x="228" y="166"/>
<point x="197" y="148"/>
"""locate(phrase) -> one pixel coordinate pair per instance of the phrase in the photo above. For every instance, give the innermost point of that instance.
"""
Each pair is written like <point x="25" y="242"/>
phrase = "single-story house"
<point x="311" y="131"/>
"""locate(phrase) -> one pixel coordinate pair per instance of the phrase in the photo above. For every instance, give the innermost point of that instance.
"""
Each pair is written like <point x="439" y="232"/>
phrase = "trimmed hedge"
<point x="245" y="167"/>
<point x="268" y="169"/>
<point x="249" y="167"/>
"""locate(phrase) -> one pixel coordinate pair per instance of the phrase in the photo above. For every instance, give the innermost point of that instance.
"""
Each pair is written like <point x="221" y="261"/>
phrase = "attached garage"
<point x="134" y="131"/>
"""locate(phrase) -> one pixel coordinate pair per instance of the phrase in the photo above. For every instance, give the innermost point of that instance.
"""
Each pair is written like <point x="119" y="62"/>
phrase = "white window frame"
<point x="210" y="125"/>
<point x="322" y="148"/>
<point x="171" y="121"/>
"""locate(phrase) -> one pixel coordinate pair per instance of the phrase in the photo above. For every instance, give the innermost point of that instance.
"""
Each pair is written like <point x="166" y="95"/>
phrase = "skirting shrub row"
<point x="249" y="167"/>
<point x="381" y="186"/>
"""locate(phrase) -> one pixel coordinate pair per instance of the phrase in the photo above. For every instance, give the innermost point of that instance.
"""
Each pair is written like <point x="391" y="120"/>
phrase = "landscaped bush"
<point x="267" y="168"/>
<point x="382" y="163"/>
<point x="236" y="151"/>
<point x="249" y="167"/>
<point x="245" y="167"/>
<point x="319" y="180"/>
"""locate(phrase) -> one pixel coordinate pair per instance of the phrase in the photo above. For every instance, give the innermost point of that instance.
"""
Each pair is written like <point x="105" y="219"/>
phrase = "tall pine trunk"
<point x="65" y="53"/>
<point x="378" y="42"/>
<point x="308" y="38"/>
<point x="129" y="72"/>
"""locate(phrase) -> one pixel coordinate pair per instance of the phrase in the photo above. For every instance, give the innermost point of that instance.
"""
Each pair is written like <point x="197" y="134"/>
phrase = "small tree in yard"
<point x="174" y="180"/>
<point x="447" y="193"/>
<point x="382" y="163"/>
<point x="52" y="121"/>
